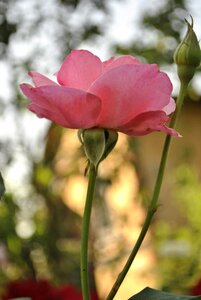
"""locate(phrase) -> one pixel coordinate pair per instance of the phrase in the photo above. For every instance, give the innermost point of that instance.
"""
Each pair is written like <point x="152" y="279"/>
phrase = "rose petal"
<point x="148" y="122"/>
<point x="48" y="114"/>
<point x="40" y="80"/>
<point x="129" y="90"/>
<point x="168" y="109"/>
<point x="68" y="107"/>
<point x="79" y="69"/>
<point x="114" y="62"/>
<point x="170" y="131"/>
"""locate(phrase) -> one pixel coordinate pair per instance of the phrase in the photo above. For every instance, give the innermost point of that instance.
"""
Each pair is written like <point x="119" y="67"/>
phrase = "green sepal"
<point x="94" y="144"/>
<point x="111" y="138"/>
<point x="152" y="294"/>
<point x="97" y="143"/>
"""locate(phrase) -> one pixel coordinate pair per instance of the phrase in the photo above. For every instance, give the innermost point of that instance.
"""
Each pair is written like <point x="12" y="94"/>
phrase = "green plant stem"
<point x="153" y="204"/>
<point x="85" y="233"/>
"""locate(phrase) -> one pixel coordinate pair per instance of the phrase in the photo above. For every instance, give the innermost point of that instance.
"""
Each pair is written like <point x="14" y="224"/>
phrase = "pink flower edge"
<point x="70" y="108"/>
<point x="148" y="122"/>
<point x="120" y="94"/>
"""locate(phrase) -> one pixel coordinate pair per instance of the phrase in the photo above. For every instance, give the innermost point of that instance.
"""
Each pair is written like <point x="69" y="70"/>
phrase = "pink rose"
<point x="120" y="94"/>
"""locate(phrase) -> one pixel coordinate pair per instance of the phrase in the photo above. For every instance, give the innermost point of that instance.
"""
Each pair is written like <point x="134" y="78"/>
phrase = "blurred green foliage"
<point x="2" y="186"/>
<point x="52" y="250"/>
<point x="7" y="28"/>
<point x="50" y="246"/>
<point x="178" y="245"/>
<point x="166" y="23"/>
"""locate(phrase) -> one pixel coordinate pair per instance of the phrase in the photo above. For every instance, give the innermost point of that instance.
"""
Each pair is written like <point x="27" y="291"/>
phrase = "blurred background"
<point x="43" y="164"/>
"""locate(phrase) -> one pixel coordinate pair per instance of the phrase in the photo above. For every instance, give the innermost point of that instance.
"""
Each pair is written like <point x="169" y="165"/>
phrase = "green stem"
<point x="153" y="204"/>
<point x="85" y="233"/>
